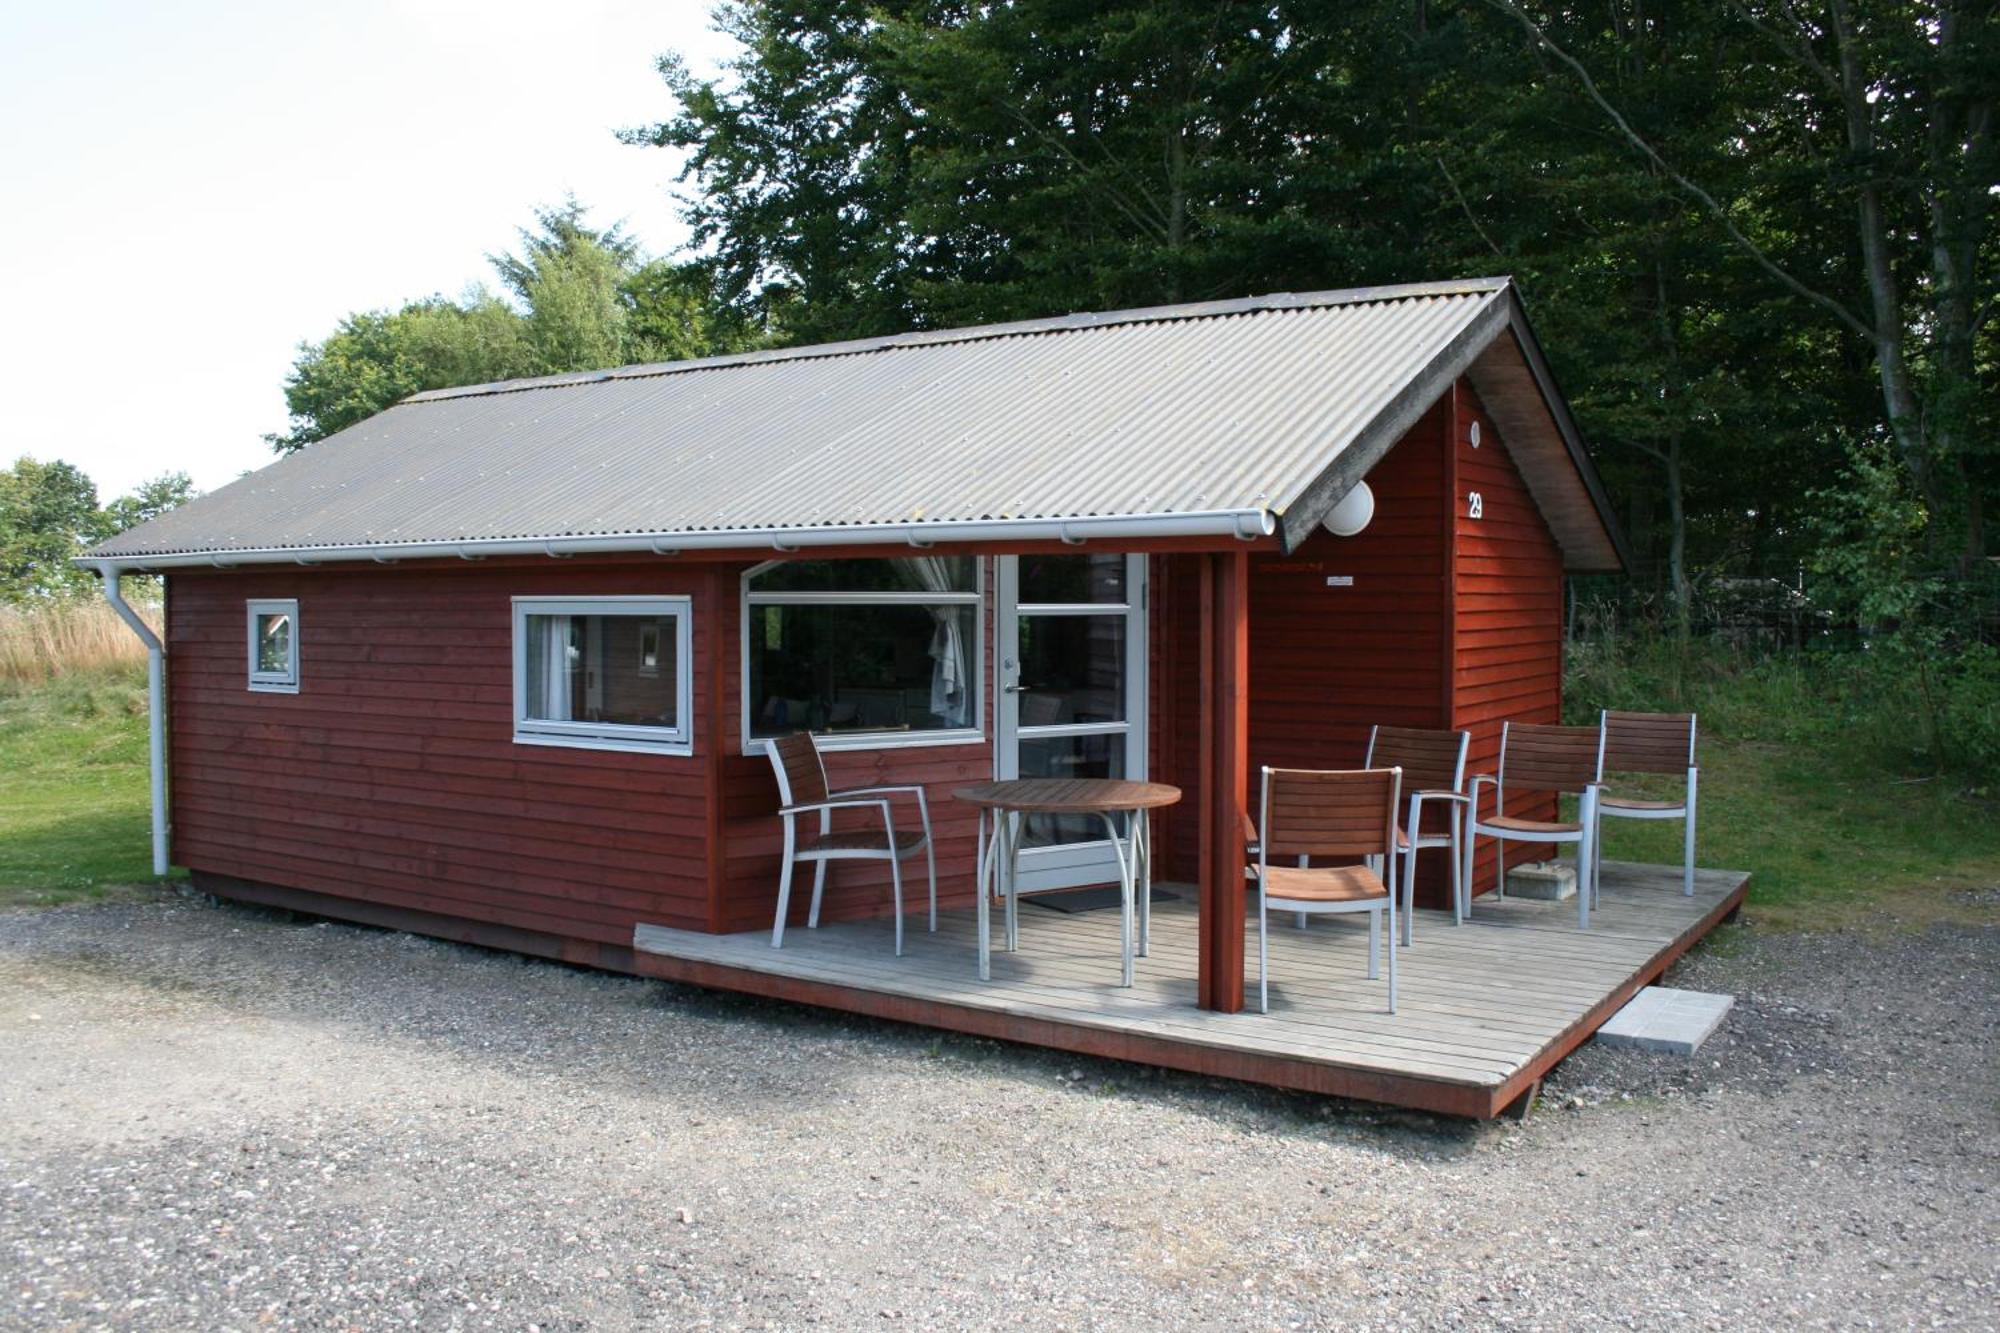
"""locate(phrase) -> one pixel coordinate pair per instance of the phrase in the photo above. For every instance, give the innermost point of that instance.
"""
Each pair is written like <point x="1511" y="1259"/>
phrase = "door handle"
<point x="1017" y="687"/>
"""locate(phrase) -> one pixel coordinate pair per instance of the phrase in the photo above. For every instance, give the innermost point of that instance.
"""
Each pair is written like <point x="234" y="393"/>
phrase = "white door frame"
<point x="1070" y="864"/>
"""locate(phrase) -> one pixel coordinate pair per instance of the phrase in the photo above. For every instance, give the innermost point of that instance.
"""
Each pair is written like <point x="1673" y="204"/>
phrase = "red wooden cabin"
<point x="497" y="664"/>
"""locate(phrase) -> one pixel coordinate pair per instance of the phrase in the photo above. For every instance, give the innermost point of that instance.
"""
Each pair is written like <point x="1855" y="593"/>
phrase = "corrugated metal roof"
<point x="1220" y="409"/>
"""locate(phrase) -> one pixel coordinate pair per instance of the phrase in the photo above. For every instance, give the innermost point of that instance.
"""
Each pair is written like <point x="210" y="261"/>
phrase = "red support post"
<point x="1225" y="744"/>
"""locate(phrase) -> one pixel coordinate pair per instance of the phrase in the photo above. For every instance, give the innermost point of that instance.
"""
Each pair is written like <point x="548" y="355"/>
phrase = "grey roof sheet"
<point x="1223" y="406"/>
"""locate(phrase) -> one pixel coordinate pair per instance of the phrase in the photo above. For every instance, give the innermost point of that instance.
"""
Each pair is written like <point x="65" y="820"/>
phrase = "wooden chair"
<point x="1536" y="757"/>
<point x="802" y="789"/>
<point x="1306" y="813"/>
<point x="1649" y="743"/>
<point x="1433" y="764"/>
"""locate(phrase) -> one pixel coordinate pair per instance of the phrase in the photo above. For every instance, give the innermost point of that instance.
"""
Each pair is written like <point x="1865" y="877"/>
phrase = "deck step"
<point x="1673" y="1022"/>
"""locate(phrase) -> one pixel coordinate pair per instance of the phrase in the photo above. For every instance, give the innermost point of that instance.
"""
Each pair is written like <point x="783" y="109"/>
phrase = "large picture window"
<point x="603" y="672"/>
<point x="868" y="652"/>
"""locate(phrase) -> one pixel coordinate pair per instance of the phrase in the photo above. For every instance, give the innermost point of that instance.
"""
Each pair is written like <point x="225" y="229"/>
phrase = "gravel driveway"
<point x="215" y="1117"/>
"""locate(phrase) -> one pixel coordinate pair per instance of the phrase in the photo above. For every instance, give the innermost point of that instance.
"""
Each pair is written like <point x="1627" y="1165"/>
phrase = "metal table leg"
<point x="1125" y="915"/>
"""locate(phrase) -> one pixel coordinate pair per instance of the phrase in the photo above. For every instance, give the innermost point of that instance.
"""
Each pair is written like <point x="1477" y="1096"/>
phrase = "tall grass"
<point x="48" y="641"/>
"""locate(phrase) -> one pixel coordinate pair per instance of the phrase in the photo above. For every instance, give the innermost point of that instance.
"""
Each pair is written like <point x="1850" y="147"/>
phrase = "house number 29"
<point x="1475" y="505"/>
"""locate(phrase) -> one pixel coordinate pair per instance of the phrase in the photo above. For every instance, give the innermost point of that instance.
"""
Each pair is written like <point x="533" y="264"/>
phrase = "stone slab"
<point x="1659" y="1018"/>
<point x="1546" y="881"/>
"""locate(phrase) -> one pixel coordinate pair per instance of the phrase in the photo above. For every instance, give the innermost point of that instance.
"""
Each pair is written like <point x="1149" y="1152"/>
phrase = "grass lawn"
<point x="1829" y="843"/>
<point x="1829" y="839"/>
<point x="73" y="812"/>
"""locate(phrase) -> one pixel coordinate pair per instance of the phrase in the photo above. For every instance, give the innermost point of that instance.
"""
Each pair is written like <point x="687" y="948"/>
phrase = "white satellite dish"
<point x="1353" y="512"/>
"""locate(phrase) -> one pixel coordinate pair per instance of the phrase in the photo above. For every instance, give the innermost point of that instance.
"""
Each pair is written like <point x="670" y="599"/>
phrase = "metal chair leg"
<point x="1263" y="956"/>
<point x="1459" y="881"/>
<point x="819" y="873"/>
<point x="784" y="892"/>
<point x="896" y="892"/>
<point x="1687" y="851"/>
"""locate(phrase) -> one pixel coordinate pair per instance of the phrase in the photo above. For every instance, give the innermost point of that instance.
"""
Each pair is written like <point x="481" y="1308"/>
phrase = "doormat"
<point x="1072" y="901"/>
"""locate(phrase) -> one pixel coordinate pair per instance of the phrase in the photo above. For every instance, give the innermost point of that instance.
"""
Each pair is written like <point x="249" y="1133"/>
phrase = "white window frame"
<point x="272" y="682"/>
<point x="675" y="740"/>
<point x="869" y="740"/>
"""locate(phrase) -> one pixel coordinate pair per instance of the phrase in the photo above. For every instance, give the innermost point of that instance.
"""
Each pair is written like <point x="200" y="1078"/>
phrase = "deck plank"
<point x="1480" y="1004"/>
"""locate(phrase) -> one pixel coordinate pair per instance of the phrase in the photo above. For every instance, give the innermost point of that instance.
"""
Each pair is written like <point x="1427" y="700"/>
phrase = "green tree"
<point x="375" y="359"/>
<point x="48" y="516"/>
<point x="590" y="302"/>
<point x="152" y="498"/>
<point x="1878" y="115"/>
<point x="801" y="156"/>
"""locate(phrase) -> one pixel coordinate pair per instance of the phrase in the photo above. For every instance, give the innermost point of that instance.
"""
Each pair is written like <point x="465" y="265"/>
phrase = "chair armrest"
<point x="911" y="789"/>
<point x="1440" y="794"/>
<point x="835" y="804"/>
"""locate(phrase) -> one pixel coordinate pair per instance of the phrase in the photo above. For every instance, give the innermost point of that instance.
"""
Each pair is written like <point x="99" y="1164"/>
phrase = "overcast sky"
<point x="193" y="189"/>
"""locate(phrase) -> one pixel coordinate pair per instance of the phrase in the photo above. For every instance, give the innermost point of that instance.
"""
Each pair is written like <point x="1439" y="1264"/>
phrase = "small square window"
<point x="274" y="646"/>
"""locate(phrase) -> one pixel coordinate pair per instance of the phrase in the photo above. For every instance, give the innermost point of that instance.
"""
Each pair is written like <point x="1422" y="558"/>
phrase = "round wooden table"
<point x="1009" y="802"/>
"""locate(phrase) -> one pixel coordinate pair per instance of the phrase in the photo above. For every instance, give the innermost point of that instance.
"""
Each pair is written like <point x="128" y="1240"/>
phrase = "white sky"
<point x="193" y="189"/>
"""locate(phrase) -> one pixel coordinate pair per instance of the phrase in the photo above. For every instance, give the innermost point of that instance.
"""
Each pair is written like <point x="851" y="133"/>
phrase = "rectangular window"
<point x="866" y="652"/>
<point x="274" y="645"/>
<point x="612" y="673"/>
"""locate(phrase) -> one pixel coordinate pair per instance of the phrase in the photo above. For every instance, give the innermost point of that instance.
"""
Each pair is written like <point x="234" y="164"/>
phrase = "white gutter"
<point x="156" y="711"/>
<point x="1242" y="524"/>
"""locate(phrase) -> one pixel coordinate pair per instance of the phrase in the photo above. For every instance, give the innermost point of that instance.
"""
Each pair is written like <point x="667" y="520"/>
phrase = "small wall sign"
<point x="1340" y="580"/>
<point x="1475" y="505"/>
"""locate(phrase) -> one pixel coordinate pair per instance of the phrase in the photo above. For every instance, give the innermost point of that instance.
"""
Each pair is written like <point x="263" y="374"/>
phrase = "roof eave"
<point x="1240" y="524"/>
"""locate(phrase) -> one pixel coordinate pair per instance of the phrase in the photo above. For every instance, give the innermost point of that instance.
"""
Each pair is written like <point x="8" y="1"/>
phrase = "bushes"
<point x="1888" y="704"/>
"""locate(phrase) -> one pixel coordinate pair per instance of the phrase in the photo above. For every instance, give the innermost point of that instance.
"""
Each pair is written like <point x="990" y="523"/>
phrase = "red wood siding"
<point x="1507" y="580"/>
<point x="393" y="776"/>
<point x="1328" y="663"/>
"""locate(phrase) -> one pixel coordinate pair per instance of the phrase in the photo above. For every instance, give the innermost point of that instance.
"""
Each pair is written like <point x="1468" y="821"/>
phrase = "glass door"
<point x="1072" y="691"/>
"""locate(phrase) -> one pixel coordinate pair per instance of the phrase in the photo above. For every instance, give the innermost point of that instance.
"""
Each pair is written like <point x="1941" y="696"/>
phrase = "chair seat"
<point x="1634" y="803"/>
<point x="1332" y="884"/>
<point x="1509" y="824"/>
<point x="860" y="840"/>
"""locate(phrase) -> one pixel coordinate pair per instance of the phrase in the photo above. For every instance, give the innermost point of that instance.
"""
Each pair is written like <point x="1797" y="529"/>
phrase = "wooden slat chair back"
<point x="1428" y="758"/>
<point x="1648" y="742"/>
<point x="1311" y="813"/>
<point x="1347" y="815"/>
<point x="801" y="772"/>
<point x="1537" y="757"/>
<point x="1541" y="757"/>
<point x="1651" y="743"/>
<point x="803" y="789"/>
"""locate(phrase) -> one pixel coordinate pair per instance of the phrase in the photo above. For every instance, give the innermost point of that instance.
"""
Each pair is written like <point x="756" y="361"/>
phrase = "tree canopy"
<point x="49" y="515"/>
<point x="575" y="298"/>
<point x="1757" y="238"/>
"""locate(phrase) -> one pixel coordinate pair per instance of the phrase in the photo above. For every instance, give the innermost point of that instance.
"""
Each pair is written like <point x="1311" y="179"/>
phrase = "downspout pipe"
<point x="156" y="711"/>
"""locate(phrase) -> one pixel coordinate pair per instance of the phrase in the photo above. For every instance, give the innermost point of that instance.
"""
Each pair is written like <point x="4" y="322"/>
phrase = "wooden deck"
<point x="1486" y="1009"/>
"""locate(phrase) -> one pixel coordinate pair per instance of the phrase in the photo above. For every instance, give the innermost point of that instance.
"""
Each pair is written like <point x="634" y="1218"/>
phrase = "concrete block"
<point x="1551" y="881"/>
<point x="1659" y="1018"/>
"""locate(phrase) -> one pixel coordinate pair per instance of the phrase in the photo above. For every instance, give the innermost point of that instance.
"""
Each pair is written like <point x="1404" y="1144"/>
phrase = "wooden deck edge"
<point x="458" y="929"/>
<point x="1298" y="1075"/>
<point x="1525" y="1079"/>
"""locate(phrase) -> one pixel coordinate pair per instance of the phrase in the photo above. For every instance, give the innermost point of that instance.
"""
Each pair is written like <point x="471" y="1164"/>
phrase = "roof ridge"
<point x="981" y="332"/>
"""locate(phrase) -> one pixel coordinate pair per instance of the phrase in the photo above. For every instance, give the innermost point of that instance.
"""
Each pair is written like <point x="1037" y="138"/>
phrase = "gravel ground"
<point x="213" y="1117"/>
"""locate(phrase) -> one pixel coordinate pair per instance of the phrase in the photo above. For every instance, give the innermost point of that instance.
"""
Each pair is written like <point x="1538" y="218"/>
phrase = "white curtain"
<point x="951" y="671"/>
